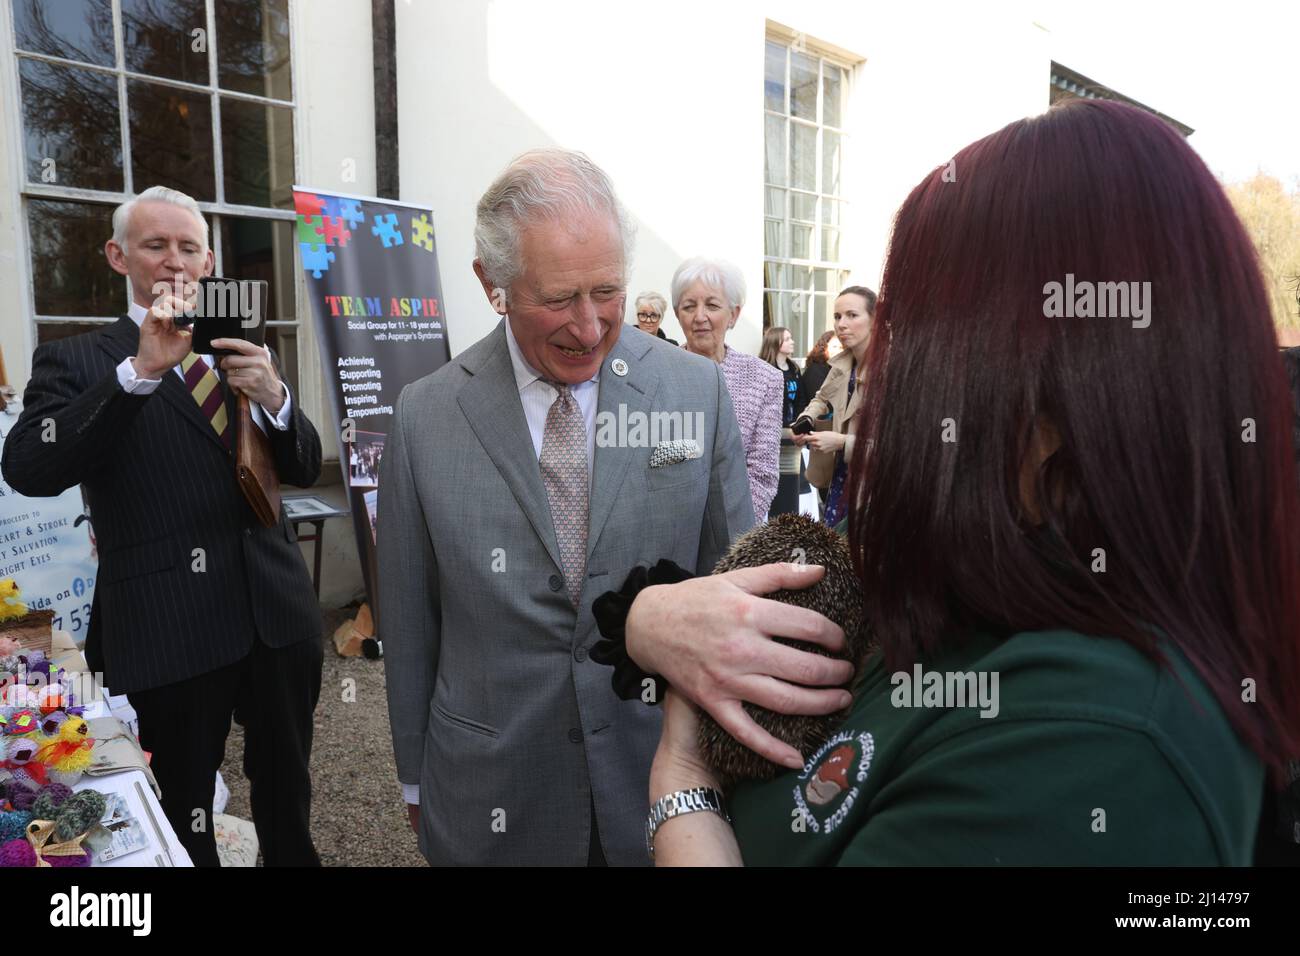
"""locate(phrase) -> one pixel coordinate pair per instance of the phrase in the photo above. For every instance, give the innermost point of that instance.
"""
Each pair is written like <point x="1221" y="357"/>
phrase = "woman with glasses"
<point x="650" y="308"/>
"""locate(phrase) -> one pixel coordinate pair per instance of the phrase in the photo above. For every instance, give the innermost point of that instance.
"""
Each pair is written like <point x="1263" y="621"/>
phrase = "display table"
<point x="135" y="786"/>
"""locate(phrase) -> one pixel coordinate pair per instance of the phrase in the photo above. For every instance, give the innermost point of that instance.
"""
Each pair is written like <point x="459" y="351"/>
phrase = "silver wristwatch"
<point x="681" y="802"/>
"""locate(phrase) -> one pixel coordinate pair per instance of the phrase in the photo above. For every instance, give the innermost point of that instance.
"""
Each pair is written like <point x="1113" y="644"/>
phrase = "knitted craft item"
<point x="41" y="836"/>
<point x="48" y="801"/>
<point x="19" y="751"/>
<point x="23" y="789"/>
<point x="14" y="824"/>
<point x="19" y="723"/>
<point x="69" y="754"/>
<point x="51" y="723"/>
<point x="79" y="813"/>
<point x="17" y="853"/>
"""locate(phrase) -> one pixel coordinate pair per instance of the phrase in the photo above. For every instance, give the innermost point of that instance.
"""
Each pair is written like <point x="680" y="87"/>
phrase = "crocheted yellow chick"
<point x="11" y="604"/>
<point x="67" y="754"/>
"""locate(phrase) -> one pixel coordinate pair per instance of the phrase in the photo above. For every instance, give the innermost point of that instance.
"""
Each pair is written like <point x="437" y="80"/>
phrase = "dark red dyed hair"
<point x="1201" y="529"/>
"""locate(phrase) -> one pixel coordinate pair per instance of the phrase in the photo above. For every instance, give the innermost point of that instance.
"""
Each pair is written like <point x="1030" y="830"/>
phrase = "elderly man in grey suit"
<point x="517" y="487"/>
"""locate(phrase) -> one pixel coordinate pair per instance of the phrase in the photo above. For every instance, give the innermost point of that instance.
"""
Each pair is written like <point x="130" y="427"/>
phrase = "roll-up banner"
<point x="371" y="267"/>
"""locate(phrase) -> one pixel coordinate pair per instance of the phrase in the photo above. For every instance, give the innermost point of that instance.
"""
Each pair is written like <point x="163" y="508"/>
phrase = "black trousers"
<point x="272" y="693"/>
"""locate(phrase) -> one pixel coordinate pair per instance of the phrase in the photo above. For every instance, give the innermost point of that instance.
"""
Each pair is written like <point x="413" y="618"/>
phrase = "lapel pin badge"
<point x="618" y="367"/>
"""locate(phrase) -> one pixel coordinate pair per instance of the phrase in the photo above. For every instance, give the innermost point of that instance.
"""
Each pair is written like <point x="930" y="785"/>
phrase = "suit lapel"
<point x="490" y="402"/>
<point x="634" y="391"/>
<point x="122" y="339"/>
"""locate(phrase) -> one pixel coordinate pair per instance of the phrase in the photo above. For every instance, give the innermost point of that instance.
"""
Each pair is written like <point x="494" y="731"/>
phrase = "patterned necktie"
<point x="206" y="388"/>
<point x="564" y="473"/>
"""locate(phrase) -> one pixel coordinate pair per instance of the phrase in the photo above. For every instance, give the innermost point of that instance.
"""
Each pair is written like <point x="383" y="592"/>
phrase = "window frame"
<point x="214" y="210"/>
<point x="793" y="42"/>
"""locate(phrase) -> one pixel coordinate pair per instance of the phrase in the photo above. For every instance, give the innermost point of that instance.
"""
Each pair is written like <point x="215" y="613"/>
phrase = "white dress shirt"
<point x="132" y="384"/>
<point x="537" y="397"/>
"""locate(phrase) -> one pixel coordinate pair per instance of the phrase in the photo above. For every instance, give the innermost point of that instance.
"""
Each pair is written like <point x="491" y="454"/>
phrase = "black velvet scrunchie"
<point x="611" y="610"/>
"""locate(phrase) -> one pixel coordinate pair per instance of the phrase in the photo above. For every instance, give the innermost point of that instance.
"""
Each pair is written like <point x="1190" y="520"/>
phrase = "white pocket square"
<point x="671" y="452"/>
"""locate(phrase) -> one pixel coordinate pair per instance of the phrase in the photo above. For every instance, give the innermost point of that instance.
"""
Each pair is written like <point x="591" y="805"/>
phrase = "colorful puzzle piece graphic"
<point x="308" y="204"/>
<point x="309" y="231"/>
<point x="350" y="210"/>
<point x="315" y="259"/>
<point x="422" y="232"/>
<point x="334" y="232"/>
<point x="332" y="207"/>
<point x="385" y="228"/>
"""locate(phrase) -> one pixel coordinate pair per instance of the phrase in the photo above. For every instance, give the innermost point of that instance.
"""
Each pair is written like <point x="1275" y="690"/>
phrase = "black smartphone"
<point x="228" y="309"/>
<point x="802" y="426"/>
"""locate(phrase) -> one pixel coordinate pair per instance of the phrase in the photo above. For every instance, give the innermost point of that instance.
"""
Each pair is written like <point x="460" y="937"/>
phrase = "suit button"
<point x="580" y="655"/>
<point x="248" y="532"/>
<point x="575" y="735"/>
<point x="556" y="582"/>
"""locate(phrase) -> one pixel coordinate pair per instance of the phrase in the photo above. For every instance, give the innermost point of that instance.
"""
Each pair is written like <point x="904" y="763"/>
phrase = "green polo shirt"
<point x="1091" y="755"/>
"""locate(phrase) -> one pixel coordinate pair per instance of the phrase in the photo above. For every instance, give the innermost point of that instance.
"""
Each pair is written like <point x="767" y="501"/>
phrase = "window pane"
<point x="774" y="202"/>
<point x="801" y="238"/>
<point x="257" y="153"/>
<point x="832" y="95"/>
<point x="800" y="277"/>
<point x="774" y="77"/>
<point x="70" y="274"/>
<point x="283" y="340"/>
<point x="158" y="38"/>
<point x="830" y="245"/>
<point x="73" y="29"/>
<point x="72" y="126"/>
<point x="803" y="156"/>
<point x="777" y="309"/>
<point x="53" y="331"/>
<point x="820" y="310"/>
<point x="831" y="212"/>
<point x="803" y="206"/>
<point x="261" y="249"/>
<point x="253" y="47"/>
<point x="775" y="275"/>
<point x="171" y="139"/>
<point x="803" y="86"/>
<point x="774" y="153"/>
<point x="773" y="238"/>
<point x="830" y="162"/>
<point x="820" y="279"/>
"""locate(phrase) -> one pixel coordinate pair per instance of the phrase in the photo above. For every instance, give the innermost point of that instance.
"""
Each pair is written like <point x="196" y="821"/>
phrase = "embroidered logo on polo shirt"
<point x="826" y="790"/>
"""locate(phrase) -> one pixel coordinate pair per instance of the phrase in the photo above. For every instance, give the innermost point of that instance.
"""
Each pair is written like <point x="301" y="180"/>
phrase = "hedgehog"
<point x="838" y="596"/>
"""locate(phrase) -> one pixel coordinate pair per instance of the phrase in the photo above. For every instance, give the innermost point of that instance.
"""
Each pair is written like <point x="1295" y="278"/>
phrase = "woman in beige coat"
<point x="840" y="394"/>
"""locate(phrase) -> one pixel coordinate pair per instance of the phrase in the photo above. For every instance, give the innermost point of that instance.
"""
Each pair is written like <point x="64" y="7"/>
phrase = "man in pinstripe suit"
<point x="200" y="611"/>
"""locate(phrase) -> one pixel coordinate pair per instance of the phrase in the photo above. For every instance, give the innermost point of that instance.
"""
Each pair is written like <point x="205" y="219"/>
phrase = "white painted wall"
<point x="667" y="97"/>
<point x="334" y="76"/>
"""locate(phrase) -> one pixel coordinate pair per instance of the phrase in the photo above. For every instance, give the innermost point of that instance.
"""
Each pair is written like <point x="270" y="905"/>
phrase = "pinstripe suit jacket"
<point x="497" y="712"/>
<point x="160" y="484"/>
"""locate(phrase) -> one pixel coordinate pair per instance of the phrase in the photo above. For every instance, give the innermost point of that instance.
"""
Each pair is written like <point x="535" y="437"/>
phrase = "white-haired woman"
<point x="650" y="309"/>
<point x="708" y="295"/>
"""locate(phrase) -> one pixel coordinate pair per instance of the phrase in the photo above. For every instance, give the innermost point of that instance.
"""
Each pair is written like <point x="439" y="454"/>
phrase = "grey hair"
<point x="716" y="274"/>
<point x="546" y="183"/>
<point x="122" y="214"/>
<point x="654" y="299"/>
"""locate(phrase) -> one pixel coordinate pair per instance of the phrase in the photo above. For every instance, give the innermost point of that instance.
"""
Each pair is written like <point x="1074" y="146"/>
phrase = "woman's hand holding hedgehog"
<point x="735" y="683"/>
<point x="714" y="639"/>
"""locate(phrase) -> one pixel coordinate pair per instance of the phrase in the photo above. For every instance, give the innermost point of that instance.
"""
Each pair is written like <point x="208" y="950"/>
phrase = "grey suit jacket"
<point x="510" y="730"/>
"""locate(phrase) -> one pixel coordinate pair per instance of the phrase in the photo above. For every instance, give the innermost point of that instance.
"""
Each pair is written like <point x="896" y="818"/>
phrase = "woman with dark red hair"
<point x="1073" y="479"/>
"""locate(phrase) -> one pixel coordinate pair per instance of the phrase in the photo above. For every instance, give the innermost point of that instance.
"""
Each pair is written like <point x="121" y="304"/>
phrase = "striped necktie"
<point x="203" y="384"/>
